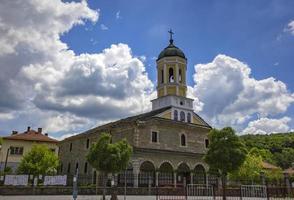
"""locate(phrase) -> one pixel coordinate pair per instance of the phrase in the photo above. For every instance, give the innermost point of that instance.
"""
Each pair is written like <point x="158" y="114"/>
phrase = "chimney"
<point x="14" y="132"/>
<point x="29" y="128"/>
<point x="39" y="130"/>
<point x="46" y="134"/>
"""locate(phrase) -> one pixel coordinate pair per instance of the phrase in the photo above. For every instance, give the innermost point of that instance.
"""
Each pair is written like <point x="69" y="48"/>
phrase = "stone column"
<point x="136" y="170"/>
<point x="191" y="177"/>
<point x="156" y="178"/>
<point x="175" y="179"/>
<point x="165" y="77"/>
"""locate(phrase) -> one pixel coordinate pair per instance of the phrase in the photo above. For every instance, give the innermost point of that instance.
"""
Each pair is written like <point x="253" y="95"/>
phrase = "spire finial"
<point x="171" y="36"/>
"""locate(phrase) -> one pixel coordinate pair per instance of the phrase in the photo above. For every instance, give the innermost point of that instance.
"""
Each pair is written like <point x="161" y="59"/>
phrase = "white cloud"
<point x="64" y="121"/>
<point x="64" y="136"/>
<point x="45" y="84"/>
<point x="117" y="15"/>
<point x="229" y="96"/>
<point x="103" y="27"/>
<point x="290" y="27"/>
<point x="266" y="126"/>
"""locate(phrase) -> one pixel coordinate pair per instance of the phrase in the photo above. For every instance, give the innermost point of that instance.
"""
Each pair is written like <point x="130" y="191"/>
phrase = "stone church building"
<point x="168" y="142"/>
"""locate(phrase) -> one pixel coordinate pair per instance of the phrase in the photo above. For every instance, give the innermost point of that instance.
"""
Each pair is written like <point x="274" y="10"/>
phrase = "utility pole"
<point x="5" y="165"/>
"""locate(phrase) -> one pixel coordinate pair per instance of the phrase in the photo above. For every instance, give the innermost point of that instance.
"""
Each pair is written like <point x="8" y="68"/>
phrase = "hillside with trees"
<point x="275" y="148"/>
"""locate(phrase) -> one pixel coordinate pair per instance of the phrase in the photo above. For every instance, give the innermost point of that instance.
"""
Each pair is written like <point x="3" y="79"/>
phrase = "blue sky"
<point x="252" y="31"/>
<point x="64" y="58"/>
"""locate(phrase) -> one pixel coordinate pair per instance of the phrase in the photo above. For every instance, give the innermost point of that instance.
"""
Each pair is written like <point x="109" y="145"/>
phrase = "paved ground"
<point x="90" y="197"/>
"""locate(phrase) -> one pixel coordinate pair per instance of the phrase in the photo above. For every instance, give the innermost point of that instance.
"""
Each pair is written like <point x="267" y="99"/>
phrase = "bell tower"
<point x="171" y="71"/>
<point x="171" y="79"/>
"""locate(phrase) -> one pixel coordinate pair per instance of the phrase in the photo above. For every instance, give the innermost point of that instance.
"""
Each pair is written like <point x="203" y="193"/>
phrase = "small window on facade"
<point x="70" y="147"/>
<point x="77" y="166"/>
<point x="68" y="168"/>
<point x="176" y="115"/>
<point x="61" y="167"/>
<point x="171" y="75"/>
<point x="154" y="137"/>
<point x="94" y="177"/>
<point x="206" y="143"/>
<point x="183" y="140"/>
<point x="162" y="76"/>
<point x="180" y="75"/>
<point x="182" y="116"/>
<point x="88" y="143"/>
<point x="189" y="117"/>
<point x="86" y="168"/>
<point x="16" y="150"/>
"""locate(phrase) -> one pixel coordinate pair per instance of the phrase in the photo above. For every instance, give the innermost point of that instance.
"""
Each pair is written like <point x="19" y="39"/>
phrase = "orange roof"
<point x="289" y="170"/>
<point x="266" y="165"/>
<point x="31" y="135"/>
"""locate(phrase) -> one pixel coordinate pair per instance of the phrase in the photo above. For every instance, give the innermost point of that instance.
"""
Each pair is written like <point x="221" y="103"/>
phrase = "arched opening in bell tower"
<point x="171" y="75"/>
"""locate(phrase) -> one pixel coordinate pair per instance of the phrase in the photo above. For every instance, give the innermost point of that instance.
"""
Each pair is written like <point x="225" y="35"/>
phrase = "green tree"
<point x="285" y="158"/>
<point x="265" y="154"/>
<point x="250" y="169"/>
<point x="1" y="140"/>
<point x="109" y="158"/>
<point x="40" y="160"/>
<point x="226" y="153"/>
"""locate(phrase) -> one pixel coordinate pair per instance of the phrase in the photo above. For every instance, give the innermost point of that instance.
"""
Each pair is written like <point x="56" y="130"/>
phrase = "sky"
<point x="68" y="66"/>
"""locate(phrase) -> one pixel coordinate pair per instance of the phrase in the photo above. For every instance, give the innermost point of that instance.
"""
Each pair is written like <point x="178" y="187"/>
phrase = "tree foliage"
<point x="277" y="148"/>
<point x="109" y="157"/>
<point x="250" y="169"/>
<point x="226" y="151"/>
<point x="40" y="160"/>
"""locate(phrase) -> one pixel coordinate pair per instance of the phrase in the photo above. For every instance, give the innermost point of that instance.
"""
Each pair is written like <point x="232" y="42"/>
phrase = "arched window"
<point x="182" y="116"/>
<point x="77" y="167"/>
<point x="189" y="117"/>
<point x="68" y="168"/>
<point x="183" y="140"/>
<point x="86" y="168"/>
<point x="61" y="167"/>
<point x="88" y="143"/>
<point x="206" y="143"/>
<point x="180" y="75"/>
<point x="171" y="75"/>
<point x="176" y="115"/>
<point x="162" y="77"/>
<point x="94" y="177"/>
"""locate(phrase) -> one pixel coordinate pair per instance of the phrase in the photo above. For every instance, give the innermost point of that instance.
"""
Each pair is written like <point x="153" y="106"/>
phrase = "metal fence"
<point x="165" y="185"/>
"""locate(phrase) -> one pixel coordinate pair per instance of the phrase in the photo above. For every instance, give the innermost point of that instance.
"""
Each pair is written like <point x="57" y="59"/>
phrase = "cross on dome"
<point x="171" y="36"/>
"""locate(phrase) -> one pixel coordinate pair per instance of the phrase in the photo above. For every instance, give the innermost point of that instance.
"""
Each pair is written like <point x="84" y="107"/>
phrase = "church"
<point x="168" y="142"/>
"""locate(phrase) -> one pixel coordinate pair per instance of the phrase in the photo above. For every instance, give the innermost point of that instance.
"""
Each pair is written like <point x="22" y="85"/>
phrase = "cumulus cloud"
<point x="266" y="126"/>
<point x="290" y="27"/>
<point x="103" y="27"/>
<point x="117" y="15"/>
<point x="229" y="96"/>
<point x="45" y="83"/>
<point x="32" y="37"/>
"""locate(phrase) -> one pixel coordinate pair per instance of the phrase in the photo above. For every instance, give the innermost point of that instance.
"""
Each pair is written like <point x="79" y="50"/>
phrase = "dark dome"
<point x="171" y="50"/>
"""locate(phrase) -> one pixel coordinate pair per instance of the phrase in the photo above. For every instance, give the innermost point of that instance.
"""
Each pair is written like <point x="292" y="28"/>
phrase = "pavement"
<point x="80" y="197"/>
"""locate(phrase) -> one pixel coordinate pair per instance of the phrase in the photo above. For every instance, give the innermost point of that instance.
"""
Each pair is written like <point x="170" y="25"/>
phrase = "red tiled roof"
<point x="266" y="165"/>
<point x="290" y="170"/>
<point x="31" y="135"/>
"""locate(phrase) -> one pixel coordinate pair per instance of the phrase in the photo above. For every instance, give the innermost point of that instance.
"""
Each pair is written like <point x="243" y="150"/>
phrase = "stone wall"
<point x="138" y="135"/>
